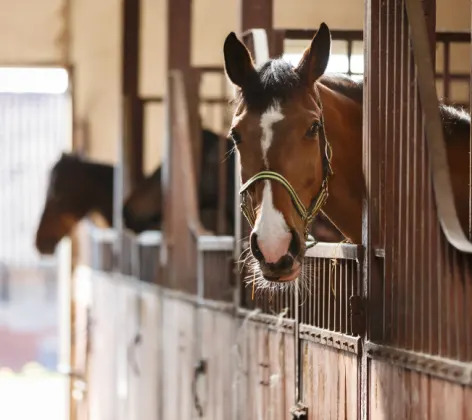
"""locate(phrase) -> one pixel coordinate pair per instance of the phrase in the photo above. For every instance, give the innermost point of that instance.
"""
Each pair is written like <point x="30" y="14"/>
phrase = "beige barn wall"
<point x="454" y="15"/>
<point x="32" y="32"/>
<point x="153" y="77"/>
<point x="97" y="54"/>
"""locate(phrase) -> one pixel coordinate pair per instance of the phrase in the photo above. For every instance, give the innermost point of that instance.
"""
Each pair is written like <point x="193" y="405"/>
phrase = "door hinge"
<point x="357" y="311"/>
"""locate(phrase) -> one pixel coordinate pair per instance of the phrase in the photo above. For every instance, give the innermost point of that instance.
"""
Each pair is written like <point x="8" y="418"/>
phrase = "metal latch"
<point x="200" y="369"/>
<point x="299" y="411"/>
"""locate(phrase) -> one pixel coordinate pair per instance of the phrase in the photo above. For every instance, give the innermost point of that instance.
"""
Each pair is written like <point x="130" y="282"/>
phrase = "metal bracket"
<point x="299" y="411"/>
<point x="357" y="312"/>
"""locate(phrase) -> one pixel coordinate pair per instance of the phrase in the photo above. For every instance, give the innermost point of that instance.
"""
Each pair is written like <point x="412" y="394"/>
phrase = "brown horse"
<point x="77" y="187"/>
<point x="293" y="127"/>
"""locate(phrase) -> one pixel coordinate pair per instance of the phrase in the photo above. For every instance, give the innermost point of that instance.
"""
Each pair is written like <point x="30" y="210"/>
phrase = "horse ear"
<point x="238" y="62"/>
<point x="315" y="58"/>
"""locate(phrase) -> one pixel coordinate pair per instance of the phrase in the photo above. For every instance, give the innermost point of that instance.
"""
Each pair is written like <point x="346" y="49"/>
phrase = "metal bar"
<point x="333" y="339"/>
<point x="444" y="198"/>
<point x="446" y="69"/>
<point x="333" y="250"/>
<point x="349" y="57"/>
<point x="452" y="370"/>
<point x="132" y="106"/>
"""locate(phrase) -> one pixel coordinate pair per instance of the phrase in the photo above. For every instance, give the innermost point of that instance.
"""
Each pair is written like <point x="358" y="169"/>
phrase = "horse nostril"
<point x="255" y="248"/>
<point x="295" y="244"/>
<point x="284" y="263"/>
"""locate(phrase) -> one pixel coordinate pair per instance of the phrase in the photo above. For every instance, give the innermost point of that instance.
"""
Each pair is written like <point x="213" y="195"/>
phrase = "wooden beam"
<point x="179" y="27"/>
<point x="179" y="46"/>
<point x="132" y="107"/>
<point x="256" y="14"/>
<point x="260" y="14"/>
<point x="129" y="170"/>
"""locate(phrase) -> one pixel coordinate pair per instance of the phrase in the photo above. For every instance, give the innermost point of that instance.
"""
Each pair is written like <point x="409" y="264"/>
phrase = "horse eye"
<point x="234" y="135"/>
<point x="313" y="130"/>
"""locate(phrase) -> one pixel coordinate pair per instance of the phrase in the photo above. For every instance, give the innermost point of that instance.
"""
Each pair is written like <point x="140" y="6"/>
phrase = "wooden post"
<point x="132" y="105"/>
<point x="128" y="171"/>
<point x="259" y="14"/>
<point x="179" y="14"/>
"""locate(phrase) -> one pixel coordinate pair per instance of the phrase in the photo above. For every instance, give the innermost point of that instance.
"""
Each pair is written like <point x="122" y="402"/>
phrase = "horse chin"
<point x="293" y="275"/>
<point x="286" y="277"/>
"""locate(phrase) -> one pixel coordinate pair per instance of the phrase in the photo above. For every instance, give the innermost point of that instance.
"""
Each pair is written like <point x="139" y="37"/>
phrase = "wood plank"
<point x="289" y="352"/>
<point x="320" y="372"/>
<point x="262" y="376"/>
<point x="315" y="407"/>
<point x="307" y="375"/>
<point x="467" y="407"/>
<point x="254" y="377"/>
<point x="342" y="386"/>
<point x="333" y="382"/>
<point x="222" y="359"/>
<point x="438" y="408"/>
<point x="277" y="375"/>
<point x="225" y="329"/>
<point x="419" y="389"/>
<point x="186" y="358"/>
<point x="453" y="400"/>
<point x="207" y="396"/>
<point x="148" y="360"/>
<point x="381" y="380"/>
<point x="171" y="367"/>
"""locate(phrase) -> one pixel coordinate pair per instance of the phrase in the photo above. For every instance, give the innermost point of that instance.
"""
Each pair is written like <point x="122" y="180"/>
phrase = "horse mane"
<point x="344" y="85"/>
<point x="455" y="119"/>
<point x="275" y="80"/>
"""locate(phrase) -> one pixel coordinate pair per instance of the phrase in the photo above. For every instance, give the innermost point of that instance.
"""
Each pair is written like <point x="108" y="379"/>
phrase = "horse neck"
<point x="343" y="127"/>
<point x="100" y="180"/>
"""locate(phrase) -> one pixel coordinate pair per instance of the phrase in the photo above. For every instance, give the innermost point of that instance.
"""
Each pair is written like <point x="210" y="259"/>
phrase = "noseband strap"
<point x="307" y="215"/>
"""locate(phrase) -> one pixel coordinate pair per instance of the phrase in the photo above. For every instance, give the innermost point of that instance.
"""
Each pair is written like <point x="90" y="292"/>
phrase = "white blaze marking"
<point x="273" y="234"/>
<point x="268" y="118"/>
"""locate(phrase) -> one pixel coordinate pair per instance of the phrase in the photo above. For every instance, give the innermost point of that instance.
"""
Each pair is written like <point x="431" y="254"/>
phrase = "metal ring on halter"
<point x="317" y="203"/>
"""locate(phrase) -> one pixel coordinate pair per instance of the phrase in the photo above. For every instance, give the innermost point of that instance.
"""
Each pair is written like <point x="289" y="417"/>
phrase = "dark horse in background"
<point x="79" y="187"/>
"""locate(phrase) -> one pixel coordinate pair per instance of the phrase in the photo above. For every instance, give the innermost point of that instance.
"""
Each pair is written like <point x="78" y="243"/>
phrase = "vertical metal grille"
<point x="329" y="280"/>
<point x="426" y="283"/>
<point x="34" y="128"/>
